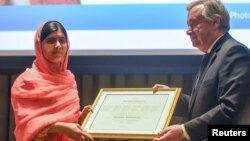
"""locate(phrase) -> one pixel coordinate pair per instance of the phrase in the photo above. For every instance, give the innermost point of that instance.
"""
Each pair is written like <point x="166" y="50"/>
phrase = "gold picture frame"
<point x="131" y="113"/>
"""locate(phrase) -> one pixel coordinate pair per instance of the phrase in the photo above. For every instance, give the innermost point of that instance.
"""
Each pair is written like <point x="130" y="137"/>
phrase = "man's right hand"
<point x="157" y="86"/>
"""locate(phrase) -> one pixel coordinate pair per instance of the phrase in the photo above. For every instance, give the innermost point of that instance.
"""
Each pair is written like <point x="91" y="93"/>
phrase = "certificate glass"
<point x="131" y="113"/>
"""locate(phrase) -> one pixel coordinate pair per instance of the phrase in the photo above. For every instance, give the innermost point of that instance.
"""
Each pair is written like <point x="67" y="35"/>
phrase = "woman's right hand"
<point x="157" y="86"/>
<point x="72" y="130"/>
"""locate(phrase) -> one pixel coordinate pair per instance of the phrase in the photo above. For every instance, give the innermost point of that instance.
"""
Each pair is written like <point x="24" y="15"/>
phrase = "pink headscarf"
<point x="41" y="63"/>
<point x="41" y="97"/>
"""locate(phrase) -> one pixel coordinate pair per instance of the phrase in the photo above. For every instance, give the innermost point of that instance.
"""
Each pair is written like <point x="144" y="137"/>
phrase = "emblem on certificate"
<point x="131" y="113"/>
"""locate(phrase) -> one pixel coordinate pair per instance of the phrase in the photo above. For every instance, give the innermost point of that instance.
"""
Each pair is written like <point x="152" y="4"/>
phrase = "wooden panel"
<point x="11" y="114"/>
<point x="157" y="79"/>
<point x="136" y="81"/>
<point x="104" y="81"/>
<point x="4" y="106"/>
<point x="87" y="93"/>
<point x="120" y="81"/>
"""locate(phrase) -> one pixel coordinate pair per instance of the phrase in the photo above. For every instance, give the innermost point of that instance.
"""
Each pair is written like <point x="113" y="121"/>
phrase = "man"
<point x="222" y="88"/>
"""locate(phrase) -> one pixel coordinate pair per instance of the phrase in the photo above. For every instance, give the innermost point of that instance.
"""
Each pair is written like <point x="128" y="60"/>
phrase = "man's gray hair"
<point x="212" y="9"/>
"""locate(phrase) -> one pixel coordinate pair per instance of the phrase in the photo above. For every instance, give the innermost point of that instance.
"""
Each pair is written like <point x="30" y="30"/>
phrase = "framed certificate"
<point x="131" y="113"/>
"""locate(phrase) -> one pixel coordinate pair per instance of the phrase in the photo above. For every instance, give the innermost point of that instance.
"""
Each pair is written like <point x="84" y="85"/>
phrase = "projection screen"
<point x="112" y="27"/>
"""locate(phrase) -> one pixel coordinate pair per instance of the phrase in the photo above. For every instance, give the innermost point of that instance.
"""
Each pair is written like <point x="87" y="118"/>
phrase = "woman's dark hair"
<point x="50" y="27"/>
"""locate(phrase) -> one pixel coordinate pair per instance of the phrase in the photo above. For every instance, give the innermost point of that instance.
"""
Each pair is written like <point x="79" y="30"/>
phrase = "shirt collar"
<point x="211" y="47"/>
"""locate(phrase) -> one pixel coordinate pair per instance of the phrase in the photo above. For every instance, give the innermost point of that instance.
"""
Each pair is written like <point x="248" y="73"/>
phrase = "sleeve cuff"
<point x="185" y="134"/>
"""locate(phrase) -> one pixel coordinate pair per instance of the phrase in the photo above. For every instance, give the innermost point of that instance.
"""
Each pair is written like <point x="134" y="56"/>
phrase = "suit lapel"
<point x="199" y="79"/>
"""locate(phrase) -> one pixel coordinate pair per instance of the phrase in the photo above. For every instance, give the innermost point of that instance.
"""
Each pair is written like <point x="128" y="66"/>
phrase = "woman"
<point x="45" y="97"/>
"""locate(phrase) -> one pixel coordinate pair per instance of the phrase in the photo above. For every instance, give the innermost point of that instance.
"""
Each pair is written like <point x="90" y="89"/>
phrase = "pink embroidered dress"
<point x="41" y="97"/>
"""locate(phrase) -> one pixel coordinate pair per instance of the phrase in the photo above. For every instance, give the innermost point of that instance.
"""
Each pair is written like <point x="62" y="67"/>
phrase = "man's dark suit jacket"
<point x="222" y="91"/>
